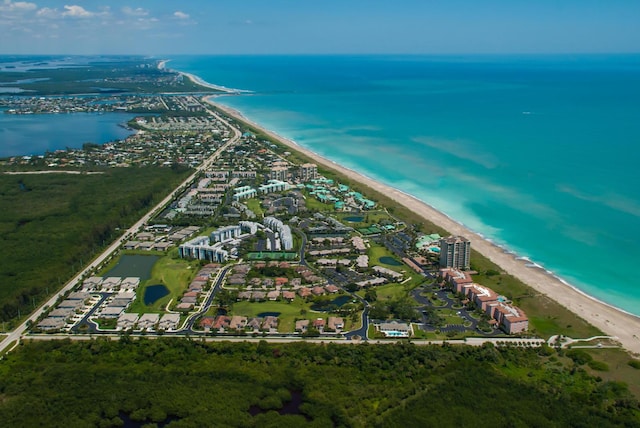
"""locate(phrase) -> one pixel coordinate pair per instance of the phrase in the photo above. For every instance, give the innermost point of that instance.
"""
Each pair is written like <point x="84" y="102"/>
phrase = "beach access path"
<point x="612" y="321"/>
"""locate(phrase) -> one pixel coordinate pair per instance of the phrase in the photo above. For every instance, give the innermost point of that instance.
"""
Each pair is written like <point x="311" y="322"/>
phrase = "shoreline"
<point x="606" y="317"/>
<point x="162" y="65"/>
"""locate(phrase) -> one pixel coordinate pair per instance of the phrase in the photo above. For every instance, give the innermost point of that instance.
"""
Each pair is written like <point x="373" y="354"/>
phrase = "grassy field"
<point x="254" y="205"/>
<point x="175" y="274"/>
<point x="314" y="204"/>
<point x="388" y="291"/>
<point x="376" y="252"/>
<point x="619" y="368"/>
<point x="288" y="311"/>
<point x="450" y="316"/>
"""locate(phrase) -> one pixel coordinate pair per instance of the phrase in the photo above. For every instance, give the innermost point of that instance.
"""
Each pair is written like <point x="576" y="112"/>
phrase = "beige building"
<point x="308" y="172"/>
<point x="455" y="252"/>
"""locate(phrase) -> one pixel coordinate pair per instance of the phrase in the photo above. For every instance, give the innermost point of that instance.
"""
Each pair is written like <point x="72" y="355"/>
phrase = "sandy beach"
<point x="162" y="65"/>
<point x="612" y="321"/>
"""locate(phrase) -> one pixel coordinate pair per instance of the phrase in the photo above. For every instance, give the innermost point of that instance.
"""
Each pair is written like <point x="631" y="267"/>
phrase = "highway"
<point x="16" y="334"/>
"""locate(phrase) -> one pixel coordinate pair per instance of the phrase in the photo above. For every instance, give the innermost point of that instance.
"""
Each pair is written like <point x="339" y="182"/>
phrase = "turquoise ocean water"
<point x="539" y="154"/>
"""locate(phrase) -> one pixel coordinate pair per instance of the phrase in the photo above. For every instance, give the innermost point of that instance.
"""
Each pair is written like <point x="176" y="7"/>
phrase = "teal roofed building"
<point x="339" y="205"/>
<point x="426" y="240"/>
<point x="368" y="203"/>
<point x="322" y="180"/>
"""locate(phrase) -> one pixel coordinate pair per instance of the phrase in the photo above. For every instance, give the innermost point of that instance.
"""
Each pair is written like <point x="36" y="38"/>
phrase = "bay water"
<point x="34" y="134"/>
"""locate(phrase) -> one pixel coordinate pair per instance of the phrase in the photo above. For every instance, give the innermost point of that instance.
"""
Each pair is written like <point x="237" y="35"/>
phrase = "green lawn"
<point x="450" y="316"/>
<point x="314" y="204"/>
<point x="175" y="274"/>
<point x="377" y="251"/>
<point x="288" y="311"/>
<point x="389" y="292"/>
<point x="254" y="205"/>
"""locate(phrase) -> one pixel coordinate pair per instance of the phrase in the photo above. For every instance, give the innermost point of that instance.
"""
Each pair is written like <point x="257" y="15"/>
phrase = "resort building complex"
<point x="511" y="318"/>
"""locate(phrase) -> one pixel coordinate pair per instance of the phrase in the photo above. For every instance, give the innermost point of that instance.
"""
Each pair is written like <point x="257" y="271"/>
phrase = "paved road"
<point x="362" y="331"/>
<point x="17" y="333"/>
<point x="188" y="326"/>
<point x="472" y="341"/>
<point x="85" y="320"/>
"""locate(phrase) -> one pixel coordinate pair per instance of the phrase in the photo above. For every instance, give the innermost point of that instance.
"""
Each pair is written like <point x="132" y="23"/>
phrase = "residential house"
<point x="288" y="295"/>
<point x="244" y="295"/>
<point x="304" y="292"/>
<point x="331" y="289"/>
<point x="127" y="321"/>
<point x="335" y="323"/>
<point x="189" y="299"/>
<point x="270" y="323"/>
<point x="220" y="323"/>
<point x="206" y="323"/>
<point x="254" y="324"/>
<point x="273" y="295"/>
<point x="302" y="325"/>
<point x="169" y="322"/>
<point x="111" y="284"/>
<point x="319" y="324"/>
<point x="237" y="322"/>
<point x="148" y="321"/>
<point x="184" y="307"/>
<point x="258" y="296"/>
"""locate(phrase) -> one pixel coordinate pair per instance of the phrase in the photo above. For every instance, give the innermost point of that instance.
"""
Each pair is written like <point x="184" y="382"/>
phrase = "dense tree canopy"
<point x="193" y="384"/>
<point x="52" y="224"/>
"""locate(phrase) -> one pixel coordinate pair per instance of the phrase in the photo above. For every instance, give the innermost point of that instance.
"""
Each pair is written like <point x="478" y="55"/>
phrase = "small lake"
<point x="154" y="292"/>
<point x="354" y="219"/>
<point x="134" y="265"/>
<point x="389" y="261"/>
<point x="335" y="303"/>
<point x="268" y="314"/>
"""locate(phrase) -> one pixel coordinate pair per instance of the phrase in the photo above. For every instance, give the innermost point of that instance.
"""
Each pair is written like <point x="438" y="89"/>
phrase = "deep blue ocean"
<point x="539" y="154"/>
